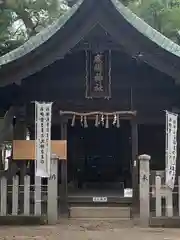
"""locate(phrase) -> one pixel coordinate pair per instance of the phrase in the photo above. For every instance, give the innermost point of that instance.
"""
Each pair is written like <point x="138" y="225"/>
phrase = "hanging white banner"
<point x="171" y="148"/>
<point x="43" y="113"/>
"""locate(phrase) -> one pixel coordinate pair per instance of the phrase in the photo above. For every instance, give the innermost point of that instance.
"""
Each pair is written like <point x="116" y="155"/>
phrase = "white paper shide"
<point x="171" y="148"/>
<point x="43" y="114"/>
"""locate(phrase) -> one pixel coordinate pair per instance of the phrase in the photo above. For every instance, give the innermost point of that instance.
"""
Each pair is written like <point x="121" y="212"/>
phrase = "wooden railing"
<point x="29" y="199"/>
<point x="165" y="202"/>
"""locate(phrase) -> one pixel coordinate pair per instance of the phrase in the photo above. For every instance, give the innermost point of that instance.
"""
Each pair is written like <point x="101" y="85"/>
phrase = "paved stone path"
<point x="88" y="230"/>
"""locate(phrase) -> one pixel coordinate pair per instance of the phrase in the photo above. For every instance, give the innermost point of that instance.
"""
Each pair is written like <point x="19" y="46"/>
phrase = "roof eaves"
<point x="40" y="38"/>
<point x="146" y="29"/>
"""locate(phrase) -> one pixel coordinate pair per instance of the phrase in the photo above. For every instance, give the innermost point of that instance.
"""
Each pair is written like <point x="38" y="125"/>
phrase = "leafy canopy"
<point x="21" y="19"/>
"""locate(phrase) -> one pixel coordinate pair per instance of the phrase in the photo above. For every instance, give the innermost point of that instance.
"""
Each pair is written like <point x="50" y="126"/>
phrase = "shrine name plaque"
<point x="25" y="149"/>
<point x="98" y="74"/>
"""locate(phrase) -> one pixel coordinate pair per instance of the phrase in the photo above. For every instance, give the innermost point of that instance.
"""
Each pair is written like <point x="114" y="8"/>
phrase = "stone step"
<point x="100" y="212"/>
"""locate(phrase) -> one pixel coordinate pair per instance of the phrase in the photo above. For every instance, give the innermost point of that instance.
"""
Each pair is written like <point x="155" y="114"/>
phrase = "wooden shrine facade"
<point x="97" y="58"/>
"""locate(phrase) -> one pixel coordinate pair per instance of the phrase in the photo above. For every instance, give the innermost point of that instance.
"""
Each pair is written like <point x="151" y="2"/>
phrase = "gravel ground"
<point x="88" y="230"/>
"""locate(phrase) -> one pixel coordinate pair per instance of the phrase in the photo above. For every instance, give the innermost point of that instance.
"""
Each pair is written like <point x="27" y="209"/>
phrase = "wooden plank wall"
<point x="149" y="90"/>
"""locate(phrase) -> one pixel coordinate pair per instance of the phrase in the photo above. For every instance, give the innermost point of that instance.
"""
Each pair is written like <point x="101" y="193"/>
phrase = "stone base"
<point x="165" y="222"/>
<point x="100" y="212"/>
<point x="22" y="220"/>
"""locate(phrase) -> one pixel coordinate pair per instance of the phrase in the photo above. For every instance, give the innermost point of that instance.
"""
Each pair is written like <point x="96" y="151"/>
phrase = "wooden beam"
<point x="64" y="178"/>
<point x="135" y="166"/>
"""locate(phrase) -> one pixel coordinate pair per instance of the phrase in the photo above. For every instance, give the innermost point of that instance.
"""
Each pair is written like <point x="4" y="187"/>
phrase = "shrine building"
<point x="110" y="77"/>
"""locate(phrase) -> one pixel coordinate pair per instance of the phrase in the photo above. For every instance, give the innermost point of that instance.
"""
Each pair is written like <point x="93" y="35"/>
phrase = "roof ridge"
<point x="44" y="35"/>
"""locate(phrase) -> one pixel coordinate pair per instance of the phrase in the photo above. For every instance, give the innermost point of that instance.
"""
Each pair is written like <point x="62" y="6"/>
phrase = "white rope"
<point x="120" y="113"/>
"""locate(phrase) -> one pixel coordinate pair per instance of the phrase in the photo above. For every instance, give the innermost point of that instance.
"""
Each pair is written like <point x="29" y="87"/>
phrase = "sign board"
<point x="98" y="74"/>
<point x="100" y="199"/>
<point x="43" y="117"/>
<point x="25" y="149"/>
<point x="128" y="192"/>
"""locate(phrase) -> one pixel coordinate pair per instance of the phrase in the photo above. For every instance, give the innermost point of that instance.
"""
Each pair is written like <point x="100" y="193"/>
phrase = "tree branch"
<point x="23" y="14"/>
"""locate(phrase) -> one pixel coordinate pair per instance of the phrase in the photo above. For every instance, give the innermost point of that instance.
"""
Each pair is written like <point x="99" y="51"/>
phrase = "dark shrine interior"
<point x="99" y="157"/>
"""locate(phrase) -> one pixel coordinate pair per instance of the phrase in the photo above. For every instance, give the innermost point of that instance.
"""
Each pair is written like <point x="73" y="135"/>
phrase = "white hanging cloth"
<point x="171" y="148"/>
<point x="43" y="114"/>
<point x="6" y="155"/>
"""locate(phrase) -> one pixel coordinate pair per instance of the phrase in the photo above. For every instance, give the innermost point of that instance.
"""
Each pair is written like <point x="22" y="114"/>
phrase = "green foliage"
<point x="163" y="15"/>
<point x="21" y="19"/>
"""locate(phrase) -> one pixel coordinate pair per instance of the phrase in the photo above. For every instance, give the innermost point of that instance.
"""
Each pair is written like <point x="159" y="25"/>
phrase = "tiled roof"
<point x="128" y="15"/>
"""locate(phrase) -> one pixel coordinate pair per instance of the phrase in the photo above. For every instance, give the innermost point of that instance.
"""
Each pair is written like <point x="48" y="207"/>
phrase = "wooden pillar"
<point x="20" y="134"/>
<point x="135" y="167"/>
<point x="1" y="161"/>
<point x="63" y="187"/>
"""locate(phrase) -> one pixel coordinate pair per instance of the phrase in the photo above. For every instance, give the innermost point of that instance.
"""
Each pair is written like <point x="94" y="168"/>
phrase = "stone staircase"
<point x="100" y="212"/>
